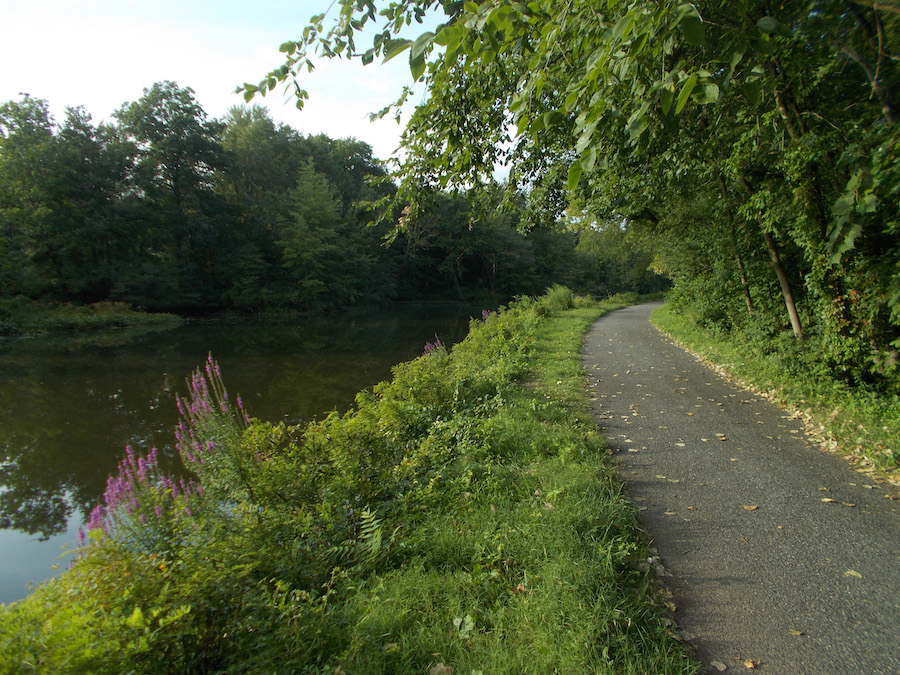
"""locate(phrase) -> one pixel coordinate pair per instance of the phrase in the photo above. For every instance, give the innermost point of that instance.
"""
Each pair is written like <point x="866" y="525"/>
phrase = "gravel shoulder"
<point x="777" y="553"/>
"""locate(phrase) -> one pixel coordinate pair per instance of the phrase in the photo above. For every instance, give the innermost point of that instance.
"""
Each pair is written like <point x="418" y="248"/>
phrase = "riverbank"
<point x="21" y="316"/>
<point x="462" y="518"/>
<point x="859" y="423"/>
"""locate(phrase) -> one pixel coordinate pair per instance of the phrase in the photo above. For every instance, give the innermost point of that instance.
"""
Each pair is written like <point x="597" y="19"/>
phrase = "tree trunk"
<point x="785" y="285"/>
<point x="779" y="272"/>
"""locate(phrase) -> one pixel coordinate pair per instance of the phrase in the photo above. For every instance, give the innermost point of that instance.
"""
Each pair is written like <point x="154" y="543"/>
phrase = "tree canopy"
<point x="766" y="129"/>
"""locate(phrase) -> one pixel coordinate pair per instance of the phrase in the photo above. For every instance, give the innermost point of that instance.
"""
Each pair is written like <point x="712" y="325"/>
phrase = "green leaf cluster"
<point x="779" y="121"/>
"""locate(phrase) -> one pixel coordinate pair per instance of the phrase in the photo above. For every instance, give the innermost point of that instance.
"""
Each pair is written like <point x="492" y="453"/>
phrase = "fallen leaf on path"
<point x="853" y="573"/>
<point x="848" y="504"/>
<point x="671" y="606"/>
<point x="718" y="665"/>
<point x="751" y="507"/>
<point x="823" y="490"/>
<point x="671" y="513"/>
<point x="750" y="664"/>
<point x="828" y="500"/>
<point x="796" y="633"/>
<point x="679" y="445"/>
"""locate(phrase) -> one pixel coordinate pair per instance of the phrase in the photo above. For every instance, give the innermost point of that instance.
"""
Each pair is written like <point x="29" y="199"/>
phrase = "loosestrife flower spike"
<point x="435" y="346"/>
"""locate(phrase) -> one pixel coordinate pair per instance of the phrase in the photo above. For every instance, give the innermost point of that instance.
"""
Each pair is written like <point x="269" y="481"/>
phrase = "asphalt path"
<point x="777" y="554"/>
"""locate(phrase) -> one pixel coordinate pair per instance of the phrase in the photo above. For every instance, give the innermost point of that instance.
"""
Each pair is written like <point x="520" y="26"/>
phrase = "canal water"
<point x="69" y="406"/>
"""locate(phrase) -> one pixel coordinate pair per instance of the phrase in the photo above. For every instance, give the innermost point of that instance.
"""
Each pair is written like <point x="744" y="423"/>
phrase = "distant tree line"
<point x="167" y="209"/>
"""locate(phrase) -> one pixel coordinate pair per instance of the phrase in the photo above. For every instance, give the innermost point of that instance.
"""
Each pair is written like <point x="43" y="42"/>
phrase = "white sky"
<point x="103" y="53"/>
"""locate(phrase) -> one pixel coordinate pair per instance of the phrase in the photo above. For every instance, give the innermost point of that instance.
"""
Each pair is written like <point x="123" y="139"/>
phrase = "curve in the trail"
<point x="779" y="553"/>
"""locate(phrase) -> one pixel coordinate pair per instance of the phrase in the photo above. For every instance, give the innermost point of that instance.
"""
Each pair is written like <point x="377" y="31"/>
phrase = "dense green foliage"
<point x="168" y="210"/>
<point x="752" y="144"/>
<point x="462" y="516"/>
<point x="857" y="421"/>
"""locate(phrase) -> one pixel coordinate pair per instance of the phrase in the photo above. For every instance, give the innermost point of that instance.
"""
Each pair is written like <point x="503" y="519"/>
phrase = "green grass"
<point x="541" y="561"/>
<point x="862" y="424"/>
<point x="464" y="516"/>
<point x="20" y="316"/>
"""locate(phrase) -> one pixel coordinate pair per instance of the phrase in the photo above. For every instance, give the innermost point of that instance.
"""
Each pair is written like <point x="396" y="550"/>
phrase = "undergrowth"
<point x="461" y="519"/>
<point x="860" y="422"/>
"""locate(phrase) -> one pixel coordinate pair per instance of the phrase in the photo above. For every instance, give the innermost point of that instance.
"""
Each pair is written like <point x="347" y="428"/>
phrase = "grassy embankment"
<point x="462" y="519"/>
<point x="20" y="316"/>
<point x="860" y="423"/>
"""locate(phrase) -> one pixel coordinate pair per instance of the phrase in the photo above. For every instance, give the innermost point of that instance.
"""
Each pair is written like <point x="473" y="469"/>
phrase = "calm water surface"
<point x="68" y="407"/>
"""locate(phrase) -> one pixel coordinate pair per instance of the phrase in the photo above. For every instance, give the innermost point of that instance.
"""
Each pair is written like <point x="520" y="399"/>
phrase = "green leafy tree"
<point x="90" y="203"/>
<point x="26" y="168"/>
<point x="325" y="257"/>
<point x="178" y="157"/>
<point x="264" y="160"/>
<point x="792" y="107"/>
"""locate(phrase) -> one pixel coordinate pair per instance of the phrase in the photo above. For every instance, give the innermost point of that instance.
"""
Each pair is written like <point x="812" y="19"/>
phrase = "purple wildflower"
<point x="431" y="347"/>
<point x="95" y="521"/>
<point x="142" y="469"/>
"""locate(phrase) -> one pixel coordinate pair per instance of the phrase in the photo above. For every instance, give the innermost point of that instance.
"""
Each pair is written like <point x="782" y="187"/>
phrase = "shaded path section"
<point x="732" y="495"/>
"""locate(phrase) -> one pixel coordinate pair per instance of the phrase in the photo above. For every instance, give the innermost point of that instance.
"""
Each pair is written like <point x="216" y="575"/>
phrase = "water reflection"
<point x="69" y="407"/>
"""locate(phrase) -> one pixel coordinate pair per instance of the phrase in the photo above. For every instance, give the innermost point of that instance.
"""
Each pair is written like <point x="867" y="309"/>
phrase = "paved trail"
<point x="732" y="495"/>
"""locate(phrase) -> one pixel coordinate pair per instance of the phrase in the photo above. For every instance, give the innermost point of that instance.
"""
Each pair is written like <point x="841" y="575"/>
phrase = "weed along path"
<point x="779" y="556"/>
